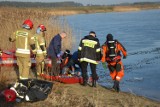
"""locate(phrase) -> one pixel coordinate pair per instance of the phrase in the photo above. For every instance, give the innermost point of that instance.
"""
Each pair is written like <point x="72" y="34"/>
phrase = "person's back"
<point x="24" y="38"/>
<point x="89" y="52"/>
<point x="112" y="55"/>
<point x="24" y="44"/>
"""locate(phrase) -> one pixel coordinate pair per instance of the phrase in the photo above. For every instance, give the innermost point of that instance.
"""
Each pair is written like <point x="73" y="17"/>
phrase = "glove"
<point x="58" y="56"/>
<point x="104" y="65"/>
<point x="124" y="57"/>
<point x="10" y="39"/>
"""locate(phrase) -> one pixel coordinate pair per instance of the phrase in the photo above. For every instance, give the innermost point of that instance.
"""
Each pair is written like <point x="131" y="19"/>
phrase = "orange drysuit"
<point x="115" y="64"/>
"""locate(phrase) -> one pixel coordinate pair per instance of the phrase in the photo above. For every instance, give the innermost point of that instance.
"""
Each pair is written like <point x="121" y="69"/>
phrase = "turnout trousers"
<point x="39" y="64"/>
<point x="24" y="64"/>
<point x="84" y="71"/>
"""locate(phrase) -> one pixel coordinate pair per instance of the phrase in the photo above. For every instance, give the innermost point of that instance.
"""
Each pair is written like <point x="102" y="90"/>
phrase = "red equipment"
<point x="29" y="23"/>
<point x="10" y="95"/>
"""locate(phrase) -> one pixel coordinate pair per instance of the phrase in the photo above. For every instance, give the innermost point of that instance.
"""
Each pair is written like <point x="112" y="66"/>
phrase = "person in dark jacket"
<point x="55" y="53"/>
<point x="89" y="52"/>
<point x="71" y="60"/>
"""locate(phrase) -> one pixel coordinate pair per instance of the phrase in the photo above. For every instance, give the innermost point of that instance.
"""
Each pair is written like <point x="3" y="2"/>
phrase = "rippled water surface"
<point x="139" y="32"/>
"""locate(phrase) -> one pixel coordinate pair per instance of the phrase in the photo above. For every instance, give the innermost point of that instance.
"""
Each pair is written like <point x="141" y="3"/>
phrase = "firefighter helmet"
<point x="10" y="95"/>
<point x="28" y="24"/>
<point x="42" y="27"/>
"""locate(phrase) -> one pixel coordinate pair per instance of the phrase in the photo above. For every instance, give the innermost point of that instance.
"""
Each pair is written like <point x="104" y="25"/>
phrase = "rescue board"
<point x="66" y="79"/>
<point x="8" y="58"/>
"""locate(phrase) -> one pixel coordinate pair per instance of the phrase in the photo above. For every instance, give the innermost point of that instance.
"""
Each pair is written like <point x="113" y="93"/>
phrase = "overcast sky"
<point x="89" y="1"/>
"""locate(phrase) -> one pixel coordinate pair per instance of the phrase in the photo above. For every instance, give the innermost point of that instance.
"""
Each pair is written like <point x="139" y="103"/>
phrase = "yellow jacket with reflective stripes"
<point x="23" y="38"/>
<point x="40" y="42"/>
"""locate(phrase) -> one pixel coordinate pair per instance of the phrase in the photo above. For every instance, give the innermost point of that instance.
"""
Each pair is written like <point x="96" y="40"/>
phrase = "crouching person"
<point x="112" y="55"/>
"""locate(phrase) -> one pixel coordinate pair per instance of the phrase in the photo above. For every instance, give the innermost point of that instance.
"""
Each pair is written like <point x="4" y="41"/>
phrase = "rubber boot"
<point x="94" y="83"/>
<point x="116" y="85"/>
<point x="118" y="89"/>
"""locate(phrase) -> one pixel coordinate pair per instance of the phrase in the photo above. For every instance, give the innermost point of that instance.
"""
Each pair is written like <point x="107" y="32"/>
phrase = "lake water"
<point x="139" y="32"/>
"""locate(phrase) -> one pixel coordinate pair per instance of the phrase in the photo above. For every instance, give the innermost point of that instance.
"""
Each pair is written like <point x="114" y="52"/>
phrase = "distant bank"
<point x="101" y="9"/>
<point x="71" y="8"/>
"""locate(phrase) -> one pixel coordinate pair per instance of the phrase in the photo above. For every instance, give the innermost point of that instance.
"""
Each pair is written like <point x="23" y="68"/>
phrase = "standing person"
<point x="89" y="52"/>
<point x="41" y="48"/>
<point x="112" y="55"/>
<point x="24" y="43"/>
<point x="55" y="53"/>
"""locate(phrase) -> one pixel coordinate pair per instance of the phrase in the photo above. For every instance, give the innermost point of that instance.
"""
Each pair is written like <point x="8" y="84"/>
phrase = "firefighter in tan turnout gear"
<point x="24" y="43"/>
<point x="41" y="48"/>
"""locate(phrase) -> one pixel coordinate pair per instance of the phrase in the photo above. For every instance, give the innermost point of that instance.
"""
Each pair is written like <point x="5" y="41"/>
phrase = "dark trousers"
<point x="55" y="67"/>
<point x="84" y="71"/>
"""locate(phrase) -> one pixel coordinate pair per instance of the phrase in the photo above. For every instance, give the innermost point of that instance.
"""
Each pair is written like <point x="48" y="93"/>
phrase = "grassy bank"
<point x="76" y="95"/>
<point x="63" y="95"/>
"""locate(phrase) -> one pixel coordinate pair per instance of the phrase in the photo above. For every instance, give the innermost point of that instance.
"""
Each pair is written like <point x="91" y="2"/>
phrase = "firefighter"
<point x="40" y="48"/>
<point x="112" y="55"/>
<point x="24" y="43"/>
<point x="89" y="52"/>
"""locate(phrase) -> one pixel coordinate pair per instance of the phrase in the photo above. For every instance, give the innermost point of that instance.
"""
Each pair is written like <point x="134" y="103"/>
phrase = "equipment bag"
<point x="33" y="89"/>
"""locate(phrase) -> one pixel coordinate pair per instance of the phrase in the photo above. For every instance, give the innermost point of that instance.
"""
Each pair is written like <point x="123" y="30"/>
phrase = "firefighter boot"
<point x="84" y="82"/>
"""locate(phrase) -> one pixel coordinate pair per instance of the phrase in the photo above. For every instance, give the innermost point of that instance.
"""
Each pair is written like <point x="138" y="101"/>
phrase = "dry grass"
<point x="64" y="95"/>
<point x="61" y="95"/>
<point x="11" y="19"/>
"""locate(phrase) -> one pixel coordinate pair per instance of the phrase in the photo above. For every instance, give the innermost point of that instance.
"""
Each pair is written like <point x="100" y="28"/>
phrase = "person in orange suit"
<point x="112" y="50"/>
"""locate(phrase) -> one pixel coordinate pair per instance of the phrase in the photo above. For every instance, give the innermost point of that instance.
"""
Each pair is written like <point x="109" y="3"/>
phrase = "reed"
<point x="11" y="19"/>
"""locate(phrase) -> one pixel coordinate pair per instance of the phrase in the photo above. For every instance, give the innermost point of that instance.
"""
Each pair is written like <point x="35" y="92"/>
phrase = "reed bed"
<point x="11" y="19"/>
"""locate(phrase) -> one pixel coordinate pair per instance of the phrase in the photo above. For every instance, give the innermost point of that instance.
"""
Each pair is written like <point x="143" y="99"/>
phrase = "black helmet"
<point x="92" y="32"/>
<point x="109" y="37"/>
<point x="67" y="51"/>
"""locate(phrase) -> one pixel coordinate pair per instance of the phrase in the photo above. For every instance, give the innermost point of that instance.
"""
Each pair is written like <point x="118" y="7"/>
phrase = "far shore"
<point x="99" y="9"/>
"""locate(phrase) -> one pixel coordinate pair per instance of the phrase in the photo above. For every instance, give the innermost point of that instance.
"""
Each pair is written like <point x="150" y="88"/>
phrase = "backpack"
<point x="111" y="49"/>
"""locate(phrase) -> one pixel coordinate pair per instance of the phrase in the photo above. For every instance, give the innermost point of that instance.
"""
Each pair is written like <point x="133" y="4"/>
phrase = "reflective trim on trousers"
<point x="88" y="60"/>
<point x="24" y="51"/>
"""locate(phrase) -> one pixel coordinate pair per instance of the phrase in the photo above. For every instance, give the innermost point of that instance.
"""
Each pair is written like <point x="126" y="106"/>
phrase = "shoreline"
<point x="98" y="9"/>
<point x="73" y="92"/>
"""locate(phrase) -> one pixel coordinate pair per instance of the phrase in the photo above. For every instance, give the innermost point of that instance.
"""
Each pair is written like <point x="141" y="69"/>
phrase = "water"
<point x="139" y="32"/>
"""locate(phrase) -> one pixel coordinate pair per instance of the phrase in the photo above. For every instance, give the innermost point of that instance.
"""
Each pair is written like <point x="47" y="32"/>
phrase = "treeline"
<point x="65" y="4"/>
<point x="145" y="3"/>
<point x="40" y="4"/>
<point x="139" y="3"/>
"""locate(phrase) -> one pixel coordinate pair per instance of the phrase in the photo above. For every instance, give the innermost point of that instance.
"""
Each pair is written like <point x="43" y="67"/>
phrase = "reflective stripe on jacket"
<point x="89" y="50"/>
<point x="24" y="38"/>
<point x="40" y="41"/>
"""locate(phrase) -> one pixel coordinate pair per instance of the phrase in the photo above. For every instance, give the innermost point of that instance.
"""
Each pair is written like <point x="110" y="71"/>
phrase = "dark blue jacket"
<point x="75" y="56"/>
<point x="54" y="46"/>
